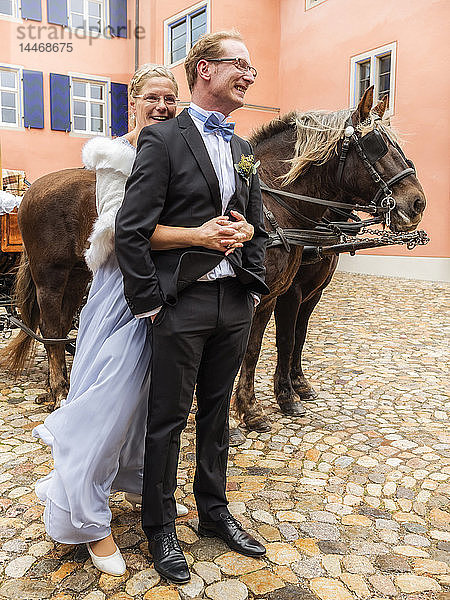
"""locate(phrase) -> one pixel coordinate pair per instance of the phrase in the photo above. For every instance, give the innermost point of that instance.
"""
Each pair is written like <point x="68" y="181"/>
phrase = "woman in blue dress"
<point x="97" y="435"/>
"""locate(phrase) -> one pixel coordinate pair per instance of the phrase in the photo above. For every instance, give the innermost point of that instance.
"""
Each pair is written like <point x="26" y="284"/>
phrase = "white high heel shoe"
<point x="136" y="499"/>
<point x="112" y="564"/>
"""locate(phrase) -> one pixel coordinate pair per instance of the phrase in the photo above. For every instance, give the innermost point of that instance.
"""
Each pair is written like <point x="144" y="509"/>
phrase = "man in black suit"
<point x="187" y="171"/>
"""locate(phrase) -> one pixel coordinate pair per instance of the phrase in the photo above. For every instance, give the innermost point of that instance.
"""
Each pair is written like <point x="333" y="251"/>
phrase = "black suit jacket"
<point x="173" y="182"/>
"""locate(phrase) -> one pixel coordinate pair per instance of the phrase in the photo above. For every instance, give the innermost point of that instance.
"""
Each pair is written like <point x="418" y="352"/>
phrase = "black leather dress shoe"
<point x="168" y="558"/>
<point x="231" y="531"/>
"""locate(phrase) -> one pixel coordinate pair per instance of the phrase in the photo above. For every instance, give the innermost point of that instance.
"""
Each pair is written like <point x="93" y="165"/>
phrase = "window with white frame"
<point x="377" y="68"/>
<point x="183" y="31"/>
<point x="89" y="106"/>
<point x="87" y="14"/>
<point x="8" y="8"/>
<point x="9" y="97"/>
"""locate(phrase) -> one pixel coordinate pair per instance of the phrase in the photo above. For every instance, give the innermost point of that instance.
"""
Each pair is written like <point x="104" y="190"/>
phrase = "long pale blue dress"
<point x="97" y="436"/>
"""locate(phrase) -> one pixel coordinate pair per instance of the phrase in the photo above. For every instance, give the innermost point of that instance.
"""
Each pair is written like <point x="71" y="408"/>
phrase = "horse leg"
<point x="246" y="404"/>
<point x="73" y="296"/>
<point x="286" y="310"/>
<point x="299" y="382"/>
<point x="50" y="285"/>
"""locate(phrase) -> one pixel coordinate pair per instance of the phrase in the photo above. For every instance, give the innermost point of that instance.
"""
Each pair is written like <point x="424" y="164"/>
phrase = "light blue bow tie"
<point x="212" y="124"/>
<point x="226" y="130"/>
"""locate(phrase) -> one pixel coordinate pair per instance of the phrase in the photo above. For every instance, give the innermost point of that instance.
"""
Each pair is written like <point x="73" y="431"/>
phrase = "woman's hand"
<point x="220" y="234"/>
<point x="244" y="231"/>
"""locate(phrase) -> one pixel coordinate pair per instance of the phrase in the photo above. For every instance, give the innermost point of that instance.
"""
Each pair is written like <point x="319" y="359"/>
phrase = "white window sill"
<point x="175" y="64"/>
<point x="84" y="134"/>
<point x="12" y="19"/>
<point x="13" y="127"/>
<point x="83" y="34"/>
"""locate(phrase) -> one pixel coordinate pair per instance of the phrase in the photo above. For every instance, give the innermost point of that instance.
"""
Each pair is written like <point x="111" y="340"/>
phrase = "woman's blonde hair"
<point x="207" y="46"/>
<point x="145" y="72"/>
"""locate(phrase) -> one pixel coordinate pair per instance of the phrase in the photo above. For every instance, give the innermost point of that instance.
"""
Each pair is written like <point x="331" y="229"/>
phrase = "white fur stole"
<point x="113" y="161"/>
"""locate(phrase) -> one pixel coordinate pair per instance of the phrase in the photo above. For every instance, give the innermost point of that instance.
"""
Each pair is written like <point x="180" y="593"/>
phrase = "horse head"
<point x="377" y="171"/>
<point x="346" y="156"/>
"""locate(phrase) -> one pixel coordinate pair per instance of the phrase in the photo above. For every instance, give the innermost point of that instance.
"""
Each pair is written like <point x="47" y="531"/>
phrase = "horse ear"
<point x="364" y="107"/>
<point x="381" y="107"/>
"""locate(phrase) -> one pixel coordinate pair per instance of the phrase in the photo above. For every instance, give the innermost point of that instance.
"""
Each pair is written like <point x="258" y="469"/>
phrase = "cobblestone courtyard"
<point x="352" y="501"/>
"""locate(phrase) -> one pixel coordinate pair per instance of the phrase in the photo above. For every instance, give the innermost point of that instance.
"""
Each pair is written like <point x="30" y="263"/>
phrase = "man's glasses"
<point x="239" y="63"/>
<point x="154" y="99"/>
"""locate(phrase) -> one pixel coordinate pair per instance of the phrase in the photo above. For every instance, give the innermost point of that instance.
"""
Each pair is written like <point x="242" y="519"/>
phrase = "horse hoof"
<point x="236" y="437"/>
<point x="293" y="409"/>
<point x="44" y="398"/>
<point x="261" y="425"/>
<point x="308" y="395"/>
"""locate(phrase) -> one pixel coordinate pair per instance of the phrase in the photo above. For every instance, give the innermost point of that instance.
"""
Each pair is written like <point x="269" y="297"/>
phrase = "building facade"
<point x="64" y="66"/>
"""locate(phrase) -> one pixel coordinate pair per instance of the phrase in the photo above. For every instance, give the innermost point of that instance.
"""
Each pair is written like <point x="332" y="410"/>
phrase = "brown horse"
<point x="314" y="143"/>
<point x="58" y="211"/>
<point x="55" y="218"/>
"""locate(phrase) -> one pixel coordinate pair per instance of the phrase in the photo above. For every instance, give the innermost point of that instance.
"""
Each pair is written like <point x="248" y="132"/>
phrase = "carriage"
<point x="13" y="182"/>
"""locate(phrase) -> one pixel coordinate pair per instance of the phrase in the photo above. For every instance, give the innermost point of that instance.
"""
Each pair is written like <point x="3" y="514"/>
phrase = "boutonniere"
<point x="247" y="166"/>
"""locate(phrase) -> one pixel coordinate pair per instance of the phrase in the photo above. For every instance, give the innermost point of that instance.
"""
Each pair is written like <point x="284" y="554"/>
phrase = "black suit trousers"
<point x="199" y="341"/>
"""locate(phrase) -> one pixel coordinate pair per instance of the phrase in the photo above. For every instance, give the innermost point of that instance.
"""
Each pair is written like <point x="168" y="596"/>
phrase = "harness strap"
<point x="332" y="203"/>
<point x="349" y="130"/>
<point x="303" y="237"/>
<point x="273" y="222"/>
<point x="393" y="181"/>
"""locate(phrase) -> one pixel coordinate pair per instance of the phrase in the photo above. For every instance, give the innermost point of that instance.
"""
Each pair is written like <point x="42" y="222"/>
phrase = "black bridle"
<point x="370" y="149"/>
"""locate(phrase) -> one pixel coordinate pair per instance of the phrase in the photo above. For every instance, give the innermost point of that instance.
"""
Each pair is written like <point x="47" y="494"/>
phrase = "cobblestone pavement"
<point x="352" y="501"/>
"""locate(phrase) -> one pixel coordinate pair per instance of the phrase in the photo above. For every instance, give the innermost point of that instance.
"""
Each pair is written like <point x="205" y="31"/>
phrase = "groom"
<point x="188" y="170"/>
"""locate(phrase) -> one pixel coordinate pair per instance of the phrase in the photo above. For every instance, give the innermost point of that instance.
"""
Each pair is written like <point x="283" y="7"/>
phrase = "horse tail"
<point x="20" y="350"/>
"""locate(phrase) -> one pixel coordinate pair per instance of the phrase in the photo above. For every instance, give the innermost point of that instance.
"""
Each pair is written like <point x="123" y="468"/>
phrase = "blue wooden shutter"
<point x="119" y="109"/>
<point x="32" y="9"/>
<point x="60" y="102"/>
<point x="57" y="12"/>
<point x="33" y="99"/>
<point x="118" y="18"/>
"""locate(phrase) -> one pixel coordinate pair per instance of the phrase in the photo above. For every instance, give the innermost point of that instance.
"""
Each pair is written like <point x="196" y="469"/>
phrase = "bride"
<point x="97" y="436"/>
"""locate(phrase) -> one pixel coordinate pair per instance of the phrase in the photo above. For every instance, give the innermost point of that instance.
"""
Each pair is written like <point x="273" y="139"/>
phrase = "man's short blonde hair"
<point x="207" y="46"/>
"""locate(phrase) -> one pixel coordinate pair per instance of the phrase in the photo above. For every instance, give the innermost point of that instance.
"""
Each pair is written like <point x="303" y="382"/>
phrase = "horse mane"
<point x="272" y="128"/>
<point x="318" y="134"/>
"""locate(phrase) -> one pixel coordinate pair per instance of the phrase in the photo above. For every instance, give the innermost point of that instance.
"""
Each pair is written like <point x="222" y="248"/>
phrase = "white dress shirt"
<point x="220" y="154"/>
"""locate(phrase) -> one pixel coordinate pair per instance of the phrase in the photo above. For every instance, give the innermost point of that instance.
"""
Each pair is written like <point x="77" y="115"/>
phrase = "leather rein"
<point x="370" y="148"/>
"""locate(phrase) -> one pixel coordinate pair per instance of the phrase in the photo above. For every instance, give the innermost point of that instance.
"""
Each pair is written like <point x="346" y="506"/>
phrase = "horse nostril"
<point x="419" y="206"/>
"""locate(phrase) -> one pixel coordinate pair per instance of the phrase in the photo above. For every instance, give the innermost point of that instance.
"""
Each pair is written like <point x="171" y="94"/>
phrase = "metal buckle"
<point x="388" y="203"/>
